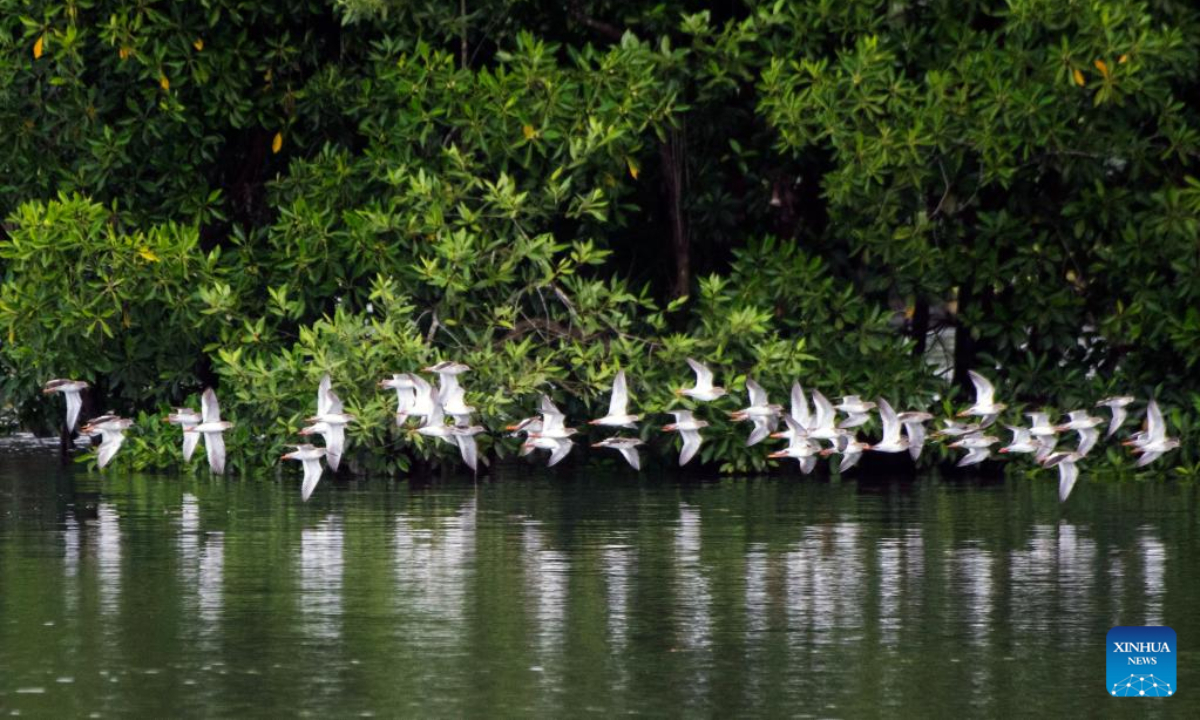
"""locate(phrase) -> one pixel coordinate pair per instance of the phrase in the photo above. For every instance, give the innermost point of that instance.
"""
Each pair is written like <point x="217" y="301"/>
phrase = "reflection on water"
<point x="589" y="596"/>
<point x="319" y="593"/>
<point x="108" y="559"/>
<point x="201" y="569"/>
<point x="1154" y="558"/>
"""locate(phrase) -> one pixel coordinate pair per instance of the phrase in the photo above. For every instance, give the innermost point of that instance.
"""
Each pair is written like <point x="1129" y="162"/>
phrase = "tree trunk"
<point x="920" y="326"/>
<point x="964" y="344"/>
<point x="672" y="156"/>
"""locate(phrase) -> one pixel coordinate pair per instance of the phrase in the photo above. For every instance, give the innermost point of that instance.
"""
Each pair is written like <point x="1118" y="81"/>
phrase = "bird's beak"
<point x="778" y="435"/>
<point x="287" y="456"/>
<point x="593" y="422"/>
<point x="964" y="413"/>
<point x="777" y="454"/>
<point x="1003" y="450"/>
<point x="669" y="428"/>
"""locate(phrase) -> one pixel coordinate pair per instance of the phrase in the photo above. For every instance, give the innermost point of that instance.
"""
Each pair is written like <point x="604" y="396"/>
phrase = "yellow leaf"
<point x="1102" y="67"/>
<point x="633" y="168"/>
<point x="123" y="53"/>
<point x="11" y="335"/>
<point x="529" y="132"/>
<point x="1078" y="77"/>
<point x="164" y="83"/>
<point x="148" y="254"/>
<point x="38" y="47"/>
<point x="199" y="44"/>
<point x="277" y="142"/>
<point x="1122" y="59"/>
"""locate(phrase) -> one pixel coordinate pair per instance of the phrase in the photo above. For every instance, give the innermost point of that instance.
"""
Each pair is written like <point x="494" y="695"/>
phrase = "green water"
<point x="560" y="596"/>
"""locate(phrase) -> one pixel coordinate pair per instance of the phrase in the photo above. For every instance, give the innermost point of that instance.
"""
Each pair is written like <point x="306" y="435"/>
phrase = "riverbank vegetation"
<point x="251" y="194"/>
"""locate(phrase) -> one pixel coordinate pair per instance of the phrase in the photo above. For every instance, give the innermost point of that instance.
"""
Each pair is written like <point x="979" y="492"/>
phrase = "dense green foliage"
<point x="250" y="194"/>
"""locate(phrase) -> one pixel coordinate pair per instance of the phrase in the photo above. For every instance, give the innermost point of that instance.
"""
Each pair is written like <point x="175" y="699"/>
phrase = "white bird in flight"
<point x="977" y="447"/>
<point x="761" y="412"/>
<point x="310" y="456"/>
<point x="800" y="447"/>
<point x="800" y="410"/>
<point x="187" y="419"/>
<point x="1068" y="471"/>
<point x="892" y="441"/>
<point x="703" y="390"/>
<point x="1153" y="441"/>
<point x="824" y="425"/>
<point x="1044" y="433"/>
<point x="553" y="435"/>
<point x="985" y="406"/>
<point x="954" y="428"/>
<point x="688" y="428"/>
<point x="406" y="394"/>
<point x="618" y="407"/>
<point x="111" y="430"/>
<point x="1022" y="443"/>
<point x="627" y="446"/>
<point x="1116" y="405"/>
<point x="914" y="429"/>
<point x="211" y="426"/>
<point x="1085" y="425"/>
<point x="70" y="390"/>
<point x="330" y="422"/>
<point x="857" y="411"/>
<point x="455" y="405"/>
<point x="850" y="448"/>
<point x="447" y="372"/>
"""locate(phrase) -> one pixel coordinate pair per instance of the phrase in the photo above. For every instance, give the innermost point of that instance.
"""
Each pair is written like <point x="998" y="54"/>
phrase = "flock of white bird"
<point x="805" y="427"/>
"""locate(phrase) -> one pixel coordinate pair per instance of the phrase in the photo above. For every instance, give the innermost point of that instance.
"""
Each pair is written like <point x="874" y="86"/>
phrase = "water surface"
<point x="170" y="596"/>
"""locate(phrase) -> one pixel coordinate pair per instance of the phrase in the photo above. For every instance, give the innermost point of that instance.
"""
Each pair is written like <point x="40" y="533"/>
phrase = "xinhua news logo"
<point x="1141" y="662"/>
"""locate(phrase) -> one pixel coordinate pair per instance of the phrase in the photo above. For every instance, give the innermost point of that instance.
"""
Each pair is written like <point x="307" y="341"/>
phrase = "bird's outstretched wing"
<point x="691" y="444"/>
<point x="469" y="450"/>
<point x="1156" y="429"/>
<point x="210" y="410"/>
<point x="312" y="476"/>
<point x="618" y="403"/>
<point x="891" y="424"/>
<point x="761" y="431"/>
<point x="214" y="444"/>
<point x="632" y="457"/>
<point x="800" y="411"/>
<point x="561" y="450"/>
<point x="704" y="376"/>
<point x="985" y="392"/>
<point x="74" y="403"/>
<point x="756" y="393"/>
<point x="1068" y="473"/>
<point x="190" y="439"/>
